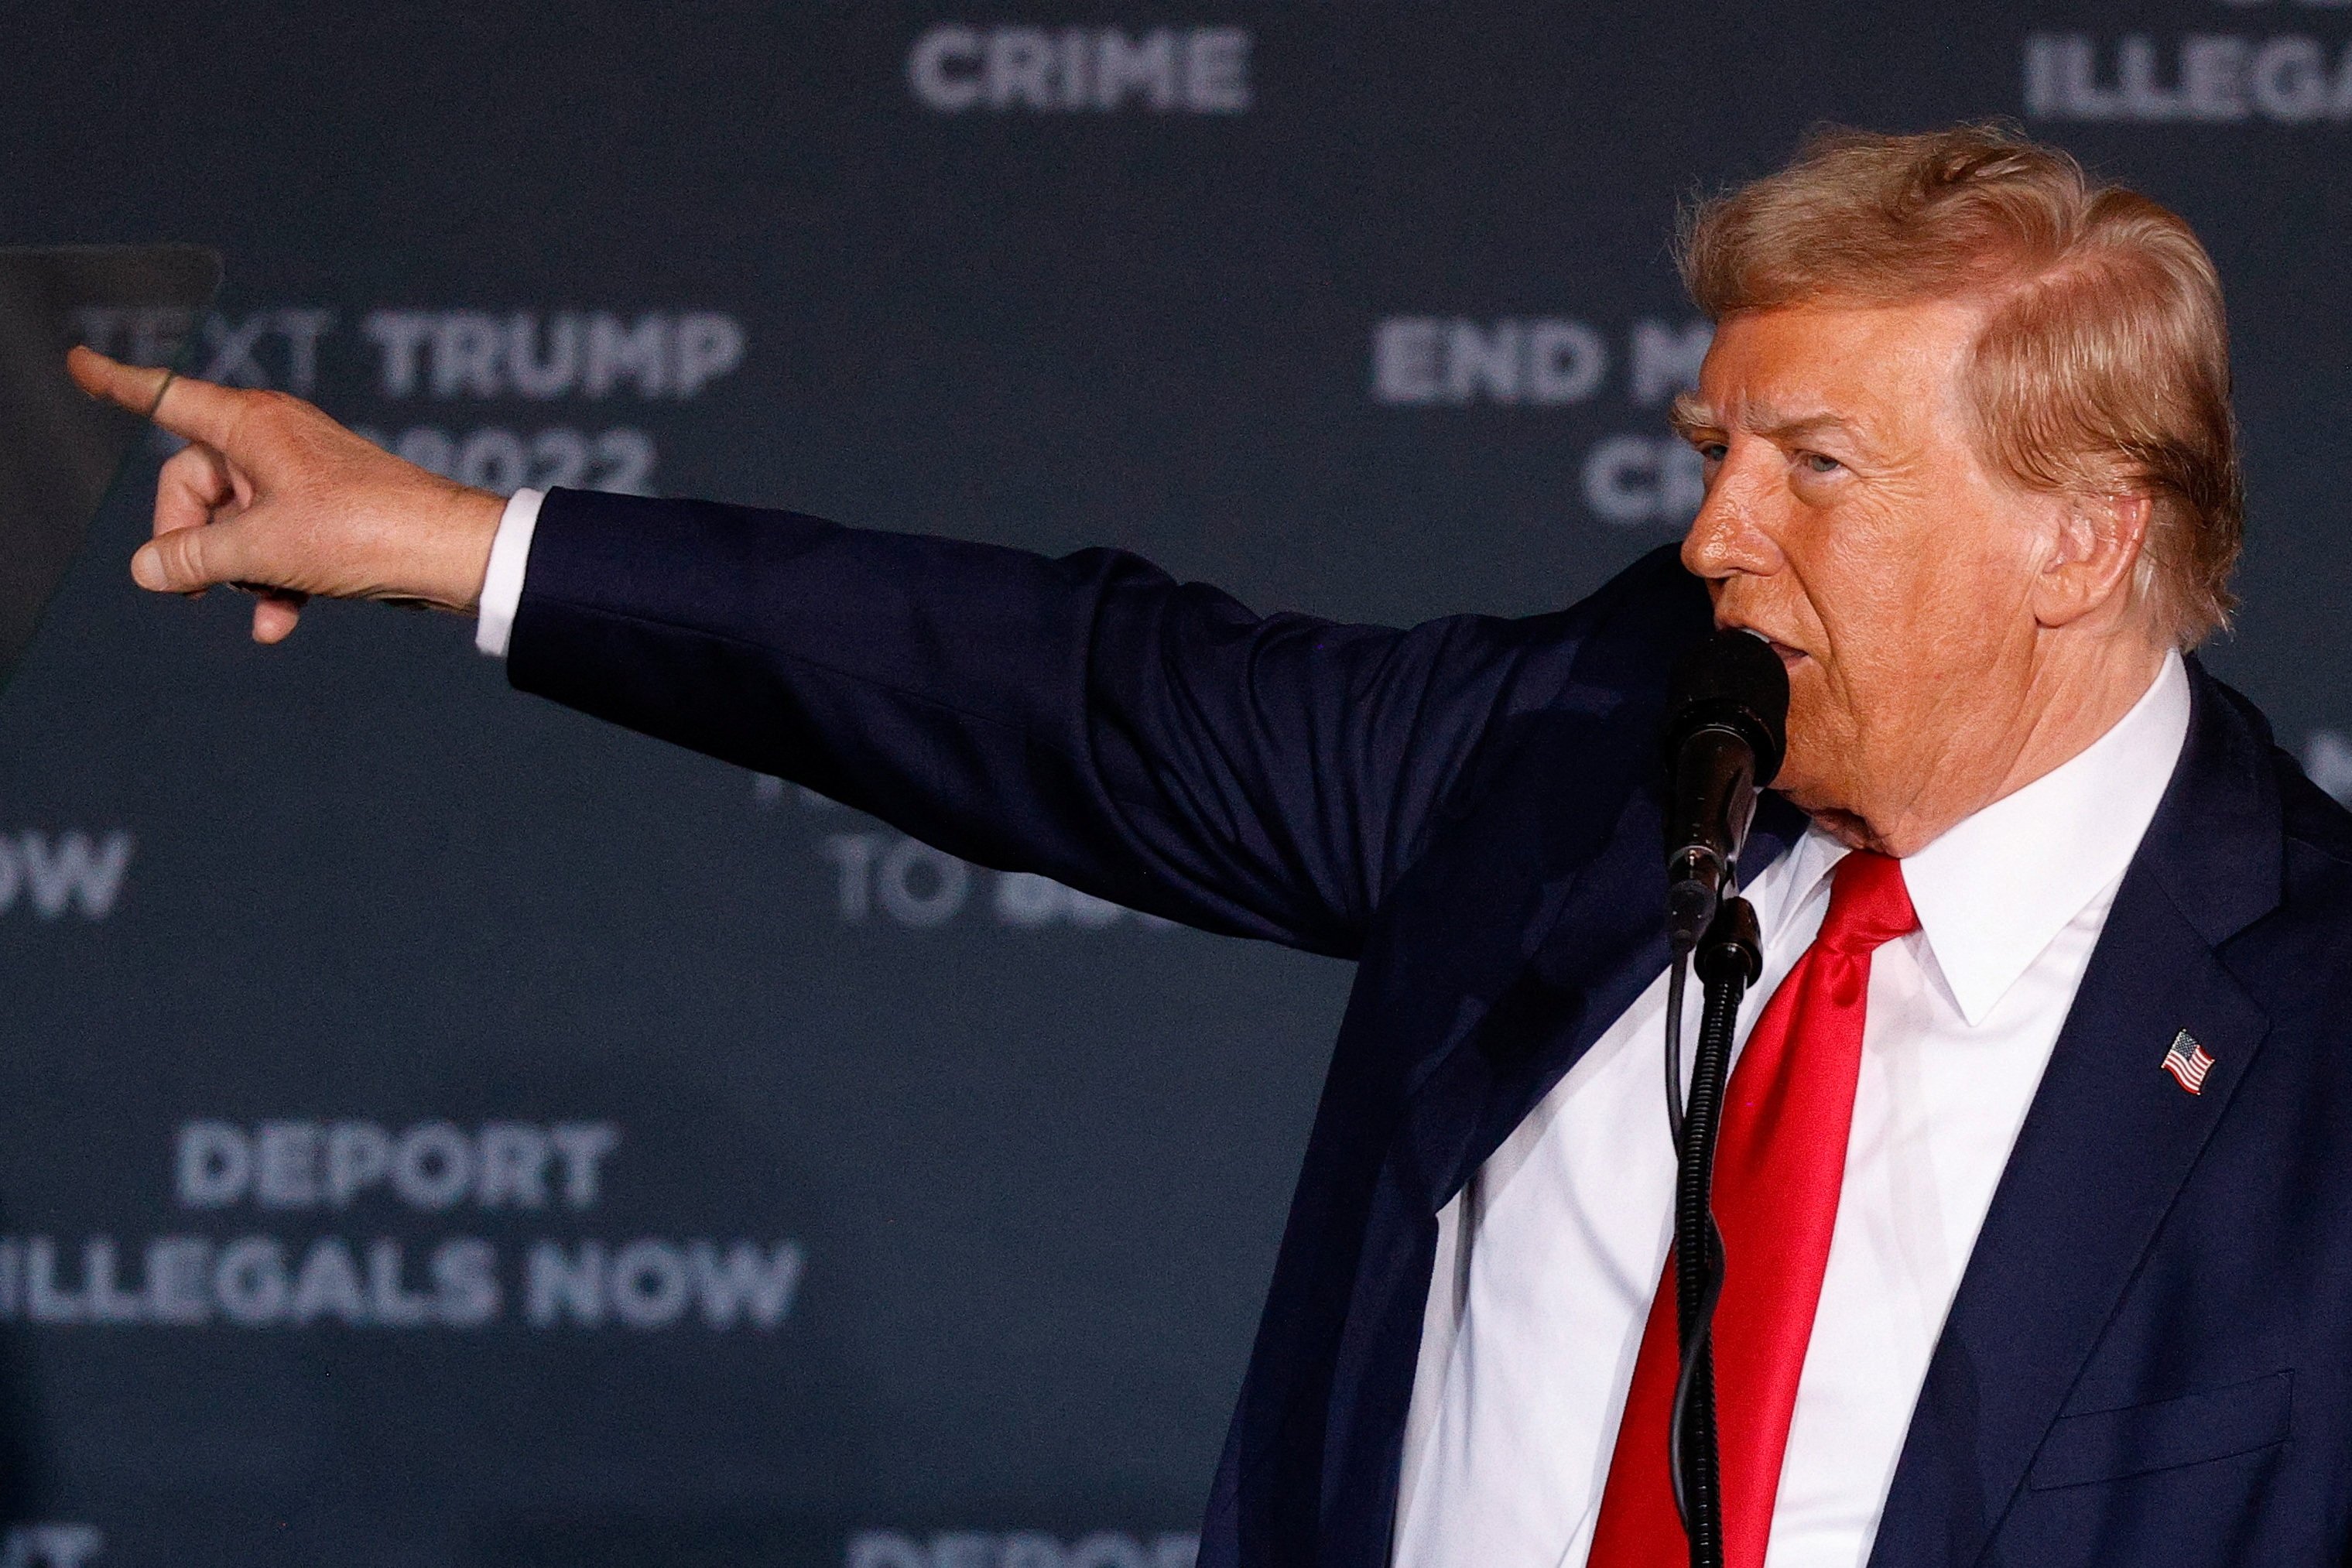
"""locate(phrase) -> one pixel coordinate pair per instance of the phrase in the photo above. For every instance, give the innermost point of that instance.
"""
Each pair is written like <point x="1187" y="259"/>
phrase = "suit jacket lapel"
<point x="1594" y="940"/>
<point x="2105" y="1146"/>
<point x="1582" y="935"/>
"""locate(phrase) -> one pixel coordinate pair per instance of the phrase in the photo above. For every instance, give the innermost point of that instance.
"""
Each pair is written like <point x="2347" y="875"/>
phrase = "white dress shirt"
<point x="502" y="586"/>
<point x="1548" y="1259"/>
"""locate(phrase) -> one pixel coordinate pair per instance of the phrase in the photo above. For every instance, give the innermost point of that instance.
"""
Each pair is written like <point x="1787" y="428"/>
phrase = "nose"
<point x="1730" y="536"/>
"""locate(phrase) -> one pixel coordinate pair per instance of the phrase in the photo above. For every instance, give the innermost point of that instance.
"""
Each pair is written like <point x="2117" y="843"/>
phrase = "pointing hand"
<point x="272" y="495"/>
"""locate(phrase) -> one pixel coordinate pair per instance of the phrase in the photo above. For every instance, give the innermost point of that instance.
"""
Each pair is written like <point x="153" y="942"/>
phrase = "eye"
<point x="1712" y="451"/>
<point x="1819" y="462"/>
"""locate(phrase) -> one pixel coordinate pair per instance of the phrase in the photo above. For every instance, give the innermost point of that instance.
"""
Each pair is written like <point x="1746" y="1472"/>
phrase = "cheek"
<point x="1849" y="579"/>
<point x="1901" y="621"/>
<point x="1950" y="637"/>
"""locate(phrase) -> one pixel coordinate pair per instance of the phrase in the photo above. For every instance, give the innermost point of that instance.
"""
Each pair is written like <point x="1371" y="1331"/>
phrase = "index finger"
<point x="196" y="410"/>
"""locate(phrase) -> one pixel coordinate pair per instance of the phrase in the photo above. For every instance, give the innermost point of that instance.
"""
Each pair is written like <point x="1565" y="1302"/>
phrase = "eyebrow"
<point x="1691" y="414"/>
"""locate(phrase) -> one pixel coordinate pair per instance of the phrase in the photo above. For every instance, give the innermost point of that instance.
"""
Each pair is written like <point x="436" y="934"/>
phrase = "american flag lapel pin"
<point x="2188" y="1062"/>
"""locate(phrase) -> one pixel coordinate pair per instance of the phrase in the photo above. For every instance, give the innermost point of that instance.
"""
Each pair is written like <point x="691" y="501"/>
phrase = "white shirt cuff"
<point x="502" y="586"/>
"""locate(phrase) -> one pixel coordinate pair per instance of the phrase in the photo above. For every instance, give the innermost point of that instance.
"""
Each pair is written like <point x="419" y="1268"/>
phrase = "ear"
<point x="2096" y="541"/>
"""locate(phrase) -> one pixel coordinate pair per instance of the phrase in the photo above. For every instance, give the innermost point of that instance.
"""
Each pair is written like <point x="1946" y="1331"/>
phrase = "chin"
<point x="1799" y="791"/>
<point x="1799" y="778"/>
<point x="1812" y="765"/>
<point x="1825" y="800"/>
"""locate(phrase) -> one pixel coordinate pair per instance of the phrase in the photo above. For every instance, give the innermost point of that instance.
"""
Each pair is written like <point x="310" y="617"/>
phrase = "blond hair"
<point x="2103" y="366"/>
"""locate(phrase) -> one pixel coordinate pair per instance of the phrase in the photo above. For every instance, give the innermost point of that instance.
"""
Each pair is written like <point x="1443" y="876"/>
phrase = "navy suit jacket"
<point x="2146" y="1359"/>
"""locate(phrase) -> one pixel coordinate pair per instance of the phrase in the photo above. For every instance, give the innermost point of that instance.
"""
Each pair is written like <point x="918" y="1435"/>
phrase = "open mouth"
<point x="1789" y="657"/>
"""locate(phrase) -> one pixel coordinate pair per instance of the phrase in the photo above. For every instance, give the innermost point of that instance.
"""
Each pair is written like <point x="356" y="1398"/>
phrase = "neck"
<point x="2069" y="701"/>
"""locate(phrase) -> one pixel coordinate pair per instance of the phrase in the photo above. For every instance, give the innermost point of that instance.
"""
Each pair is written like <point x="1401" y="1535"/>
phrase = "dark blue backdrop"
<point x="435" y="1130"/>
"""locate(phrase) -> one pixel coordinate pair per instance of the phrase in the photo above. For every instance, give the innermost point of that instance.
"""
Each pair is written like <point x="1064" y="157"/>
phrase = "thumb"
<point x="190" y="560"/>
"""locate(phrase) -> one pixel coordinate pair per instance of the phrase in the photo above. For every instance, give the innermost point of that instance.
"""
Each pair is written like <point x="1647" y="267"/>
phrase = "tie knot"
<point x="1868" y="904"/>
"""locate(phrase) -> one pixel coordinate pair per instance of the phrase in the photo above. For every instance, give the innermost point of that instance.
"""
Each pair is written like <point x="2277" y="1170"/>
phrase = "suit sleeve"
<point x="1148" y="741"/>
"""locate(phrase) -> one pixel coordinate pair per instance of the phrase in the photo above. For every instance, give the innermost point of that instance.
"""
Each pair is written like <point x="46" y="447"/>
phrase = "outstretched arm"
<point x="1150" y="741"/>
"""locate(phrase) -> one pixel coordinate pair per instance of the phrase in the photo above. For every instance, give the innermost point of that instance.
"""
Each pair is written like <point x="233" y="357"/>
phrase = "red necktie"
<point x="1778" y="1168"/>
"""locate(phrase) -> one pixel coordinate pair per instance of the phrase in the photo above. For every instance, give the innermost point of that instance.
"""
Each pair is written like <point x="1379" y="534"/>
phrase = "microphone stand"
<point x="1725" y="735"/>
<point x="1729" y="959"/>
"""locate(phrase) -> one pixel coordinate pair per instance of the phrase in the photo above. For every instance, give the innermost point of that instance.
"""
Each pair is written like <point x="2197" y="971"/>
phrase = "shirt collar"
<point x="1997" y="887"/>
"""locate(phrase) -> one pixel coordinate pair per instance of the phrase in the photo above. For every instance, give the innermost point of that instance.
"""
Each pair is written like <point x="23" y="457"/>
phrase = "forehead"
<point x="1880" y="367"/>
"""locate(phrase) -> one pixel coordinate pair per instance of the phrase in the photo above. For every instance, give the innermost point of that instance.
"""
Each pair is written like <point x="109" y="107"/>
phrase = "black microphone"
<point x="1726" y="727"/>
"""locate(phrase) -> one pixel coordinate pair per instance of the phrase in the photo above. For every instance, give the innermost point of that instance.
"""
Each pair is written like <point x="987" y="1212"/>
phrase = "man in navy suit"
<point x="2038" y="1183"/>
